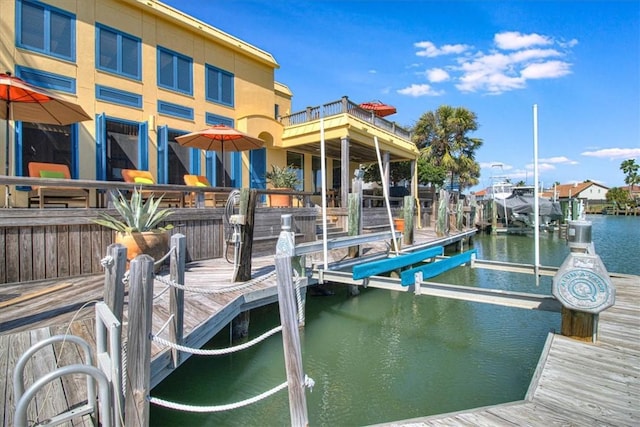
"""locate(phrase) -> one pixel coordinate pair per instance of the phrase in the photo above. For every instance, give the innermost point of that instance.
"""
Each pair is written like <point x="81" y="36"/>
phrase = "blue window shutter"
<point x="143" y="145"/>
<point x="163" y="154"/>
<point x="236" y="169"/>
<point x="17" y="155"/>
<point x="101" y="147"/>
<point x="75" y="155"/>
<point x="257" y="168"/>
<point x="210" y="160"/>
<point x="194" y="161"/>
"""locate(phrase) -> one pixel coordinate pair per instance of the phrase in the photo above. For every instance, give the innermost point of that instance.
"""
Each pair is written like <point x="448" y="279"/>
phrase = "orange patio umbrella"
<point x="24" y="102"/>
<point x="379" y="108"/>
<point x="220" y="138"/>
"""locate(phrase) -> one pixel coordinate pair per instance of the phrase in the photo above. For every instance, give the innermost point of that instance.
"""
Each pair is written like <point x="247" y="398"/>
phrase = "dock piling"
<point x="285" y="249"/>
<point x="138" y="370"/>
<point x="176" y="297"/>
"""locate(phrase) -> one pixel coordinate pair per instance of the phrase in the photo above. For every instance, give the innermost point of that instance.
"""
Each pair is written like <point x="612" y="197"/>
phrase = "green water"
<point x="386" y="356"/>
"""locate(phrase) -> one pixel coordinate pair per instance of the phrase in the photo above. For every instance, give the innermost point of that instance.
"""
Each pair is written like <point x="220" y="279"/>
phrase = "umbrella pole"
<point x="6" y="159"/>
<point x="224" y="171"/>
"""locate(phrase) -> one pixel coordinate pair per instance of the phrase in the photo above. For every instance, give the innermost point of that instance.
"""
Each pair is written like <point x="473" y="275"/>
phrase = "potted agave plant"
<point x="139" y="229"/>
<point x="281" y="178"/>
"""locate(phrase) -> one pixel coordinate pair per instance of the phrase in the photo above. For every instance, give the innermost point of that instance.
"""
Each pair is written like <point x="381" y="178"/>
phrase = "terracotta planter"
<point x="398" y="224"/>
<point x="280" y="200"/>
<point x="153" y="243"/>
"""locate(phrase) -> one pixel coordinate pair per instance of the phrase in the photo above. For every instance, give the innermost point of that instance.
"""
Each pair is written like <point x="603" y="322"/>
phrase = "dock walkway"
<point x="58" y="307"/>
<point x="576" y="383"/>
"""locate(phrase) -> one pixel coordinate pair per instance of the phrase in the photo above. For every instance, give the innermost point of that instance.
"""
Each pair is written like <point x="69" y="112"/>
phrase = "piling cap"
<point x="579" y="234"/>
<point x="286" y="221"/>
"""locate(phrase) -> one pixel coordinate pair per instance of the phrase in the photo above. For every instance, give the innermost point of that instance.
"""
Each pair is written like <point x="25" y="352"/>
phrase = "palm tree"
<point x="441" y="136"/>
<point x="630" y="168"/>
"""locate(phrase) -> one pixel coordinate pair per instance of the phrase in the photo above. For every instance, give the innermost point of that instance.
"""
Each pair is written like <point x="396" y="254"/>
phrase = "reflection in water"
<point x="385" y="356"/>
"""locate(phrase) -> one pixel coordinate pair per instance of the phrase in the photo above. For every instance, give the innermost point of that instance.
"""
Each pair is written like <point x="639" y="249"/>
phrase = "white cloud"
<point x="430" y="50"/>
<point x="571" y="43"/>
<point x="373" y="71"/>
<point x="532" y="54"/>
<point x="513" y="40"/>
<point x="542" y="167"/>
<point x="558" y="160"/>
<point x="437" y="75"/>
<point x="614" y="153"/>
<point x="416" y="90"/>
<point x="546" y="70"/>
<point x="514" y="60"/>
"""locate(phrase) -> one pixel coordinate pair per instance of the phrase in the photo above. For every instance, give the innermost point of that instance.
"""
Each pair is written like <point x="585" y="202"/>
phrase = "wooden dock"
<point x="34" y="311"/>
<point x="576" y="383"/>
<point x="30" y="321"/>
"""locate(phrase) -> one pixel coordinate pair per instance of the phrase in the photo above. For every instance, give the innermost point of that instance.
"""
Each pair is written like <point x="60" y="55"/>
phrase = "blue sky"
<point x="578" y="61"/>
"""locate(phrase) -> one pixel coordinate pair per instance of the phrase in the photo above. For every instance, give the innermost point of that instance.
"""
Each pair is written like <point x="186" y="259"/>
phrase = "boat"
<point x="518" y="209"/>
<point x="500" y="190"/>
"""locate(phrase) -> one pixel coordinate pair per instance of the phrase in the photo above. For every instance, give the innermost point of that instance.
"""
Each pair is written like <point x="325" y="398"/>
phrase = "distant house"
<point x="481" y="194"/>
<point x="588" y="191"/>
<point x="635" y="191"/>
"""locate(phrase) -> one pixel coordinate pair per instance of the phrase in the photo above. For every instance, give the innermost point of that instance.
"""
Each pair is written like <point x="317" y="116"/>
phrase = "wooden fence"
<point x="38" y="244"/>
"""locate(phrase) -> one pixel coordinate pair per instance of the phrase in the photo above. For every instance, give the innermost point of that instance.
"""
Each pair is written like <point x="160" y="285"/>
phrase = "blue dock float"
<point x="433" y="269"/>
<point x="369" y="269"/>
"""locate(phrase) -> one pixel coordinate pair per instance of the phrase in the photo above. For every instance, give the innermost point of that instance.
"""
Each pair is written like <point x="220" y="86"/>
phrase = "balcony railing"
<point x="343" y="106"/>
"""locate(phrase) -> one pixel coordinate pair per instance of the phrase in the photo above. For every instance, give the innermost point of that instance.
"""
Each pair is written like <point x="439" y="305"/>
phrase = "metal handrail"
<point x="344" y="106"/>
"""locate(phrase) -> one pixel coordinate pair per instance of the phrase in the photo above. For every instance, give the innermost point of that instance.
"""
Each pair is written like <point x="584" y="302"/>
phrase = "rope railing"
<point x="142" y="272"/>
<point x="216" y="408"/>
<point x="216" y="352"/>
<point x="231" y="288"/>
<point x="308" y="383"/>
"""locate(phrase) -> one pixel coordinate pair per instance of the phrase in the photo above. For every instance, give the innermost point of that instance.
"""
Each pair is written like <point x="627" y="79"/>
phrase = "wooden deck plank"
<point x="5" y="375"/>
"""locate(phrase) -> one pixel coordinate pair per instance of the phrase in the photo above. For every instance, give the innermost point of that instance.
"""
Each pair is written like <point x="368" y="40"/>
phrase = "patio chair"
<point x="216" y="199"/>
<point x="144" y="177"/>
<point x="43" y="195"/>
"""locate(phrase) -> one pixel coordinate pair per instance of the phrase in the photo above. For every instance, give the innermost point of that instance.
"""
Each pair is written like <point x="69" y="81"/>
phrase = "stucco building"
<point x="147" y="73"/>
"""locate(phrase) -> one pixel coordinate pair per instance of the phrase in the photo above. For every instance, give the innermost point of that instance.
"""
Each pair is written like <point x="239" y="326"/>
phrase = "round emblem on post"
<point x="583" y="290"/>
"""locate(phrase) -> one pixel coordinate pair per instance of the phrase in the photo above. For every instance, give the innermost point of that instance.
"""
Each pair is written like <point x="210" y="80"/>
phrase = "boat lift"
<point x="424" y="262"/>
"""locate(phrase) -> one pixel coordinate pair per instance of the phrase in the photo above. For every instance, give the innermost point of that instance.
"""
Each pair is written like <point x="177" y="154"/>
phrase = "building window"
<point x="174" y="71"/>
<point x="316" y="169"/>
<point x="118" y="52"/>
<point x="219" y="86"/>
<point x="47" y="144"/>
<point x="175" y="110"/>
<point x="337" y="174"/>
<point x="46" y="80"/>
<point x="179" y="158"/>
<point x="116" y="96"/>
<point x="296" y="161"/>
<point x="122" y="148"/>
<point x="45" y="29"/>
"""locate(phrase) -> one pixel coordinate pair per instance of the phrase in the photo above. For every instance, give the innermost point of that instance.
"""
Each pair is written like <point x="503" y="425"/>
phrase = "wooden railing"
<point x="343" y="106"/>
<point x="101" y="189"/>
<point x="38" y="244"/>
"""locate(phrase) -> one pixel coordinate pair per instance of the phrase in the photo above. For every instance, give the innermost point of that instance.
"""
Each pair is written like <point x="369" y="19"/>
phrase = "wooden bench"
<point x="143" y="178"/>
<point x="216" y="199"/>
<point x="43" y="195"/>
